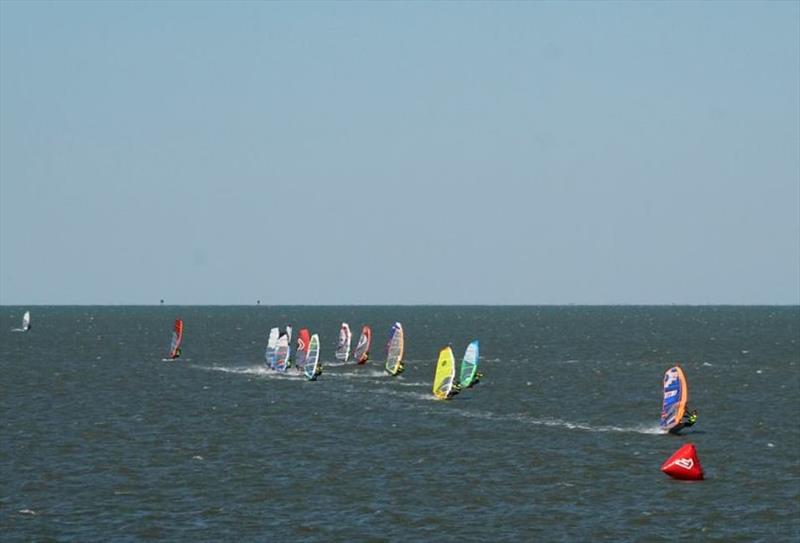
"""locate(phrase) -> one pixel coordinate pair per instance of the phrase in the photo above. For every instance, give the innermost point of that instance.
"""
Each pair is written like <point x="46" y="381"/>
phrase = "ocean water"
<point x="101" y="440"/>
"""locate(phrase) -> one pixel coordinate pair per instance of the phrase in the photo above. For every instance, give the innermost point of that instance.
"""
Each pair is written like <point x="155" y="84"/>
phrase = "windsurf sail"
<point x="469" y="365"/>
<point x="343" y="347"/>
<point x="445" y="377"/>
<point x="312" y="367"/>
<point x="287" y="333"/>
<point x="26" y="321"/>
<point x="272" y="345"/>
<point x="676" y="394"/>
<point x="282" y="353"/>
<point x="361" y="354"/>
<point x="394" y="350"/>
<point x="302" y="348"/>
<point x="177" y="339"/>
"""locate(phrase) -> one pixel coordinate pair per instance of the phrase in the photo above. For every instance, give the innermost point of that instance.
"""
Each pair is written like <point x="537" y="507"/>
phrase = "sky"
<point x="399" y="153"/>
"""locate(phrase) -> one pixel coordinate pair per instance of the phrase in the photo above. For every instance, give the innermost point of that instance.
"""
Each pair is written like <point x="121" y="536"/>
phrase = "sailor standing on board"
<point x="688" y="419"/>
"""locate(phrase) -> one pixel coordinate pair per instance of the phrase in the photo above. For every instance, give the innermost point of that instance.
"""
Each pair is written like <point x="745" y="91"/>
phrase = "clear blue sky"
<point x="399" y="153"/>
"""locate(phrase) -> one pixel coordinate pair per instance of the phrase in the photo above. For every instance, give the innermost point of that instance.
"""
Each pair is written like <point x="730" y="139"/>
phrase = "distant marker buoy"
<point x="162" y="301"/>
<point x="684" y="464"/>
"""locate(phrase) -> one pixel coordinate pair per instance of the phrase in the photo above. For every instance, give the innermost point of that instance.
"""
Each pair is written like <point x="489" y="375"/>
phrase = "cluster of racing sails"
<point x="279" y="353"/>
<point x="305" y="357"/>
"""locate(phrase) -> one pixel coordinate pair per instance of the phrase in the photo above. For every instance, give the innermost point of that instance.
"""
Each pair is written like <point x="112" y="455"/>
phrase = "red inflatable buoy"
<point x="684" y="464"/>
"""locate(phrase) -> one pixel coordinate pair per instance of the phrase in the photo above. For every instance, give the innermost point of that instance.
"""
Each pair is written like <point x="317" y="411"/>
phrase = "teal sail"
<point x="469" y="365"/>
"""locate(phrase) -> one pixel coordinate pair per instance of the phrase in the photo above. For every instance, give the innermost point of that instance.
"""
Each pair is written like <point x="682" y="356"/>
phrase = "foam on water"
<point x="261" y="371"/>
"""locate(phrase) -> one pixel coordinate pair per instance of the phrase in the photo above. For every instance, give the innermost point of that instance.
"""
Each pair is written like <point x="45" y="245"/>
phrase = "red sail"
<point x="303" y="341"/>
<point x="361" y="354"/>
<point x="177" y="339"/>
<point x="684" y="464"/>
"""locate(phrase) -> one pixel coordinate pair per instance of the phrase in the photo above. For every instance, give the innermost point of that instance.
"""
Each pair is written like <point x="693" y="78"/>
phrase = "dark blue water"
<point x="102" y="440"/>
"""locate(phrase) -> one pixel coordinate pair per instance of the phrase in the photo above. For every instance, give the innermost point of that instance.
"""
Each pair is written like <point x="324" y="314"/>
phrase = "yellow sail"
<point x="445" y="376"/>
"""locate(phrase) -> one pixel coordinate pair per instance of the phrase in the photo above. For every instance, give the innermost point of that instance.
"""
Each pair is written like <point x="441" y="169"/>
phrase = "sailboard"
<point x="676" y="394"/>
<point x="469" y="365"/>
<point x="177" y="340"/>
<point x="394" y="350"/>
<point x="445" y="377"/>
<point x="312" y="368"/>
<point x="26" y="323"/>
<point x="272" y="345"/>
<point x="343" y="347"/>
<point x="282" y="353"/>
<point x="302" y="348"/>
<point x="361" y="354"/>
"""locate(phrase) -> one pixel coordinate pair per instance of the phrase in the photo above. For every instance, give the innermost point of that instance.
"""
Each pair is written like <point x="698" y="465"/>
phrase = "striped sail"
<point x="343" y="347"/>
<point x="676" y="394"/>
<point x="394" y="349"/>
<point x="302" y="348"/>
<point x="445" y="377"/>
<point x="312" y="367"/>
<point x="282" y="353"/>
<point x="469" y="365"/>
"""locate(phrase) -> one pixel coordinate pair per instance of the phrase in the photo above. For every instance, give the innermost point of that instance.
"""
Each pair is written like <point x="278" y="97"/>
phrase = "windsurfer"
<point x="476" y="380"/>
<point x="688" y="419"/>
<point x="177" y="353"/>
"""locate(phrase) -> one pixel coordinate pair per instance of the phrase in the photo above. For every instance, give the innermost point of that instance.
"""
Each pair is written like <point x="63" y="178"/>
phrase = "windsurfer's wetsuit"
<point x="688" y="419"/>
<point x="476" y="380"/>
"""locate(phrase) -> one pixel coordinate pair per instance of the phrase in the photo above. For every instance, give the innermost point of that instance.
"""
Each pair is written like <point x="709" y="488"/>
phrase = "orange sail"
<point x="177" y="339"/>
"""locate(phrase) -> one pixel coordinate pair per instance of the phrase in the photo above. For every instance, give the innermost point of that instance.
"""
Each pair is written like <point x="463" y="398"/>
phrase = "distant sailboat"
<point x="312" y="368"/>
<point x="469" y="366"/>
<point x="343" y="347"/>
<point x="177" y="340"/>
<point x="26" y="323"/>
<point x="444" y="379"/>
<point x="361" y="354"/>
<point x="394" y="350"/>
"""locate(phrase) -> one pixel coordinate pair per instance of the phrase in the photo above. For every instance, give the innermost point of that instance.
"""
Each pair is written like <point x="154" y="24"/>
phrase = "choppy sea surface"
<point x="100" y="439"/>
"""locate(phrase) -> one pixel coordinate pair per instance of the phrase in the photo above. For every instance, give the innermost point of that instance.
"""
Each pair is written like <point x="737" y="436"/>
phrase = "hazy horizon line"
<point x="421" y="305"/>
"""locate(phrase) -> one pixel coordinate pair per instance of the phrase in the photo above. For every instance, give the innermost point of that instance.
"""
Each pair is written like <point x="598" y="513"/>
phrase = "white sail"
<point x="312" y="368"/>
<point x="282" y="353"/>
<point x="272" y="344"/>
<point x="394" y="350"/>
<point x="343" y="348"/>
<point x="26" y="321"/>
